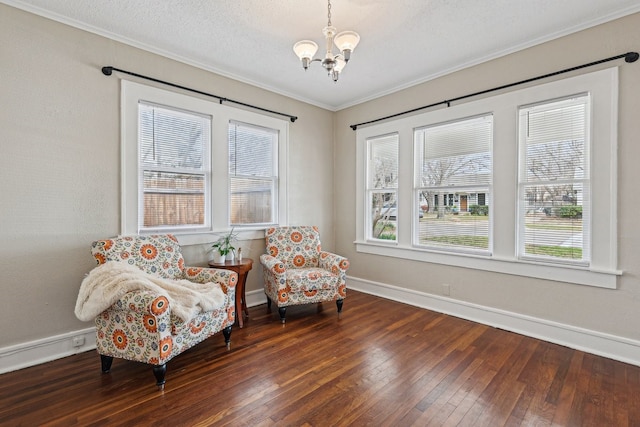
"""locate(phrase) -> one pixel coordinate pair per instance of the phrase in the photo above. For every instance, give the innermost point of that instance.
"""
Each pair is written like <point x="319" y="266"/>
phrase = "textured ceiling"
<point x="403" y="42"/>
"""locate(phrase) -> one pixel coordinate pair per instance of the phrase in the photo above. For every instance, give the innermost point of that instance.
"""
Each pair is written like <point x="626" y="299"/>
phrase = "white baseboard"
<point x="44" y="350"/>
<point x="47" y="349"/>
<point x="602" y="344"/>
<point x="618" y="348"/>
<point x="256" y="297"/>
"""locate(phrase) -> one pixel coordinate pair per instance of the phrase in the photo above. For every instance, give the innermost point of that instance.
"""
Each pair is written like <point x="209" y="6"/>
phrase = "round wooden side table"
<point x="241" y="267"/>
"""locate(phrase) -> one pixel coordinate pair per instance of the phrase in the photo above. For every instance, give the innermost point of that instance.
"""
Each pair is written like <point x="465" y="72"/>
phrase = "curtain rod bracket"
<point x="629" y="57"/>
<point x="108" y="70"/>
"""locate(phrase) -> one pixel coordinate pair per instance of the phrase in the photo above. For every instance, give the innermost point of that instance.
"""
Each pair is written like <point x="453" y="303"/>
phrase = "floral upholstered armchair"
<point x="142" y="325"/>
<point x="297" y="271"/>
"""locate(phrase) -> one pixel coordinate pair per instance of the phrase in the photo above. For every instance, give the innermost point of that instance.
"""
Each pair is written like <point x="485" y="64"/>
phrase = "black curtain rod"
<point x="107" y="71"/>
<point x="628" y="57"/>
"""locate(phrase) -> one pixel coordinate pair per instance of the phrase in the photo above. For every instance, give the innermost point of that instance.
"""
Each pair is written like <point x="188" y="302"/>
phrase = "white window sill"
<point x="602" y="278"/>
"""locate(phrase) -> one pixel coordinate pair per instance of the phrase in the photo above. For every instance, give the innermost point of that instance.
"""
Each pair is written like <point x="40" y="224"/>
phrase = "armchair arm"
<point x="227" y="278"/>
<point x="335" y="263"/>
<point x="136" y="301"/>
<point x="150" y="315"/>
<point x="273" y="266"/>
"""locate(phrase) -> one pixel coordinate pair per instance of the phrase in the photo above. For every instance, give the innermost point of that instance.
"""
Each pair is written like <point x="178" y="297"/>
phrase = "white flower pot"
<point x="218" y="258"/>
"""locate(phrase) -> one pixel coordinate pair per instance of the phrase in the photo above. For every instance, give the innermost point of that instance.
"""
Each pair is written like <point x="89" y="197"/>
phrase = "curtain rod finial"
<point x="107" y="71"/>
<point x="631" y="57"/>
<point x="354" y="127"/>
<point x="293" y="119"/>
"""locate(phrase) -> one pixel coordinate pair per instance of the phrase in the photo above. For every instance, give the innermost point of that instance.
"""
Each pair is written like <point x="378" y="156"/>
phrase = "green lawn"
<point x="554" y="251"/>
<point x="461" y="241"/>
<point x="481" y="242"/>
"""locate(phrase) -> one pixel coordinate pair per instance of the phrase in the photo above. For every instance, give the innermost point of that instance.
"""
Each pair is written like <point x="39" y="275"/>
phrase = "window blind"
<point x="554" y="180"/>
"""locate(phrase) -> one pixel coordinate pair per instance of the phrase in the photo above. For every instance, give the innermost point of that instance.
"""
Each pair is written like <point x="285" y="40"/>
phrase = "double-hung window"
<point x="174" y="174"/>
<point x="193" y="167"/>
<point x="554" y="187"/>
<point x="453" y="184"/>
<point x="253" y="174"/>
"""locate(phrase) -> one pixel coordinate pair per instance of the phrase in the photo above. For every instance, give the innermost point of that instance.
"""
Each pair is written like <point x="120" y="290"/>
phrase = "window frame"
<point x="221" y="116"/>
<point x="150" y="167"/>
<point x="448" y="191"/>
<point x="602" y="270"/>
<point x="273" y="178"/>
<point x="524" y="181"/>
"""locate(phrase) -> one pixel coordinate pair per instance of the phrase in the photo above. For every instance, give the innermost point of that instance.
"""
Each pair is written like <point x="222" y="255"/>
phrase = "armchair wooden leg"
<point x="159" y="372"/>
<point x="106" y="362"/>
<point x="268" y="305"/>
<point x="339" y="305"/>
<point x="227" y="336"/>
<point x="283" y="312"/>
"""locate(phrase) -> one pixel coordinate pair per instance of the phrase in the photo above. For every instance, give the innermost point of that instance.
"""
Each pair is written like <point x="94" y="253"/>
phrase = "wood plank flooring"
<point x="382" y="364"/>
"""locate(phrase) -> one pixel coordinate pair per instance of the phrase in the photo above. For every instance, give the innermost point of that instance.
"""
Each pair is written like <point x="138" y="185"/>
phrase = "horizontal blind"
<point x="252" y="173"/>
<point x="453" y="184"/>
<point x="554" y="181"/>
<point x="173" y="147"/>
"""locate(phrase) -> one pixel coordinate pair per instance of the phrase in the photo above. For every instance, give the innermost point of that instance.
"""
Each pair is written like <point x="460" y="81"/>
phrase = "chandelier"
<point x="346" y="42"/>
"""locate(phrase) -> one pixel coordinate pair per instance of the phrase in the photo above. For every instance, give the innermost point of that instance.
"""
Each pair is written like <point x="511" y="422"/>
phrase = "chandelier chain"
<point x="329" y="13"/>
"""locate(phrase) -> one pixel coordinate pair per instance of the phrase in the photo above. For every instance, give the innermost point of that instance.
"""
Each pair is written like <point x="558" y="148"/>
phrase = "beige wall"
<point x="615" y="312"/>
<point x="60" y="164"/>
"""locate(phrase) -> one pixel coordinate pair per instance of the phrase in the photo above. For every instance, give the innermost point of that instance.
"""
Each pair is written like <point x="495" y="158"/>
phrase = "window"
<point x="175" y="172"/>
<point x="554" y="188"/>
<point x="521" y="183"/>
<point x="194" y="167"/>
<point x="253" y="174"/>
<point x="454" y="162"/>
<point x="382" y="187"/>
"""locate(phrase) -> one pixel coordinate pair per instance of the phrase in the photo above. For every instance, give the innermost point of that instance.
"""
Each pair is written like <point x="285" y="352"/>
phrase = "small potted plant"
<point x="224" y="248"/>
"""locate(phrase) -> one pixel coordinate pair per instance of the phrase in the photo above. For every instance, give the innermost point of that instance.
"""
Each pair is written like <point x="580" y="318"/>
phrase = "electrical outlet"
<point x="78" y="341"/>
<point x="446" y="289"/>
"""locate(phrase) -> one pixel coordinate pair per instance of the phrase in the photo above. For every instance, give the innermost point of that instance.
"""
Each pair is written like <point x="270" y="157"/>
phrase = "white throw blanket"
<point x="105" y="284"/>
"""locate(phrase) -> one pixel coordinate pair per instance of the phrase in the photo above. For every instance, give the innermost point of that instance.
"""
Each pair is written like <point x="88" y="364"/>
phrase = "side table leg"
<point x="239" y="297"/>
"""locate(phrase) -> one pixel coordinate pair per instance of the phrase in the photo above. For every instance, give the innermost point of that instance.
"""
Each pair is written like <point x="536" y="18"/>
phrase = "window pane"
<point x="383" y="209"/>
<point x="383" y="167"/>
<point x="382" y="182"/>
<point x="554" y="184"/>
<point x="173" y="146"/>
<point x="554" y="231"/>
<point x="252" y="174"/>
<point x="172" y="138"/>
<point x="251" y="201"/>
<point x="172" y="199"/>
<point x="453" y="184"/>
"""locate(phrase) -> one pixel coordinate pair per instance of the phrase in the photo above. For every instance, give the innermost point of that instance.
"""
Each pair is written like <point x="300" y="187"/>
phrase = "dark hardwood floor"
<point x="382" y="364"/>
